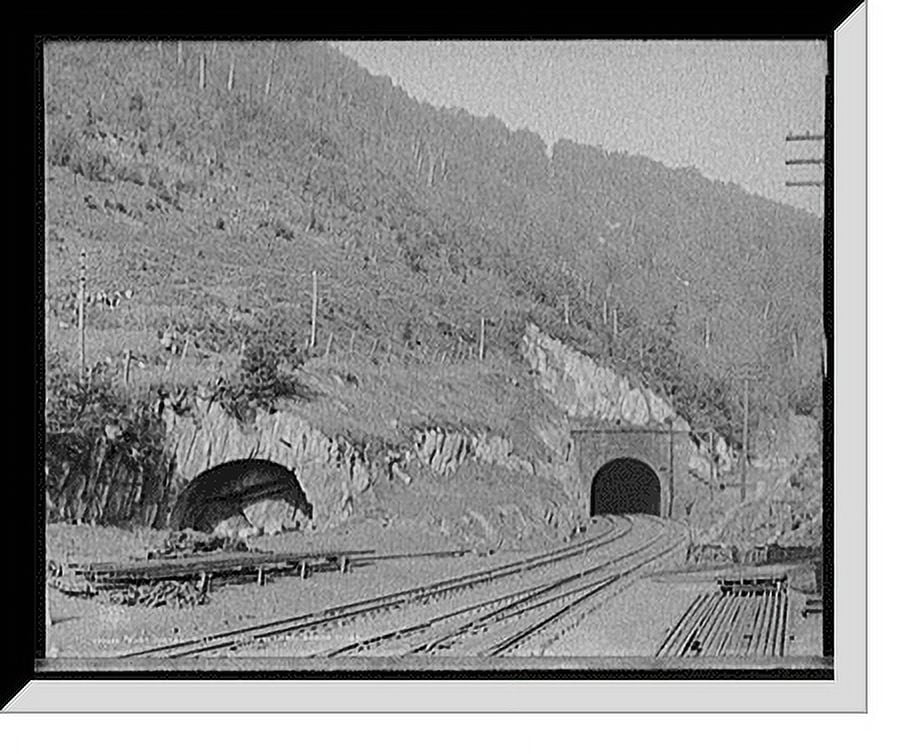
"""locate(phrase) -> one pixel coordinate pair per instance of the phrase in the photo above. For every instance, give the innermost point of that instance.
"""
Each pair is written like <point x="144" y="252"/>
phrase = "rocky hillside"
<point x="213" y="197"/>
<point x="473" y="293"/>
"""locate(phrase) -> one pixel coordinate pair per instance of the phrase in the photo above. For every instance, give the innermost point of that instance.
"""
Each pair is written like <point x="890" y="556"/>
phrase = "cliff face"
<point x="443" y="451"/>
<point x="332" y="472"/>
<point x="337" y="476"/>
<point x="584" y="389"/>
<point x="468" y="482"/>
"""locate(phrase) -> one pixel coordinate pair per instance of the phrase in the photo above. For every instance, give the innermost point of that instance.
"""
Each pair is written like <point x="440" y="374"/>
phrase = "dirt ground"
<point x="92" y="628"/>
<point x="632" y="624"/>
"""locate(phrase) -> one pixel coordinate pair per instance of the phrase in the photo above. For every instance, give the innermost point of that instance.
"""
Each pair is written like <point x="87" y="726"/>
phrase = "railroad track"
<point x="748" y="620"/>
<point x="527" y="620"/>
<point x="616" y="529"/>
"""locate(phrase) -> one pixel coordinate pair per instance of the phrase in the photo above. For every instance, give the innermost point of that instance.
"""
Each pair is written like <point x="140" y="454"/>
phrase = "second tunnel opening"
<point x="625" y="485"/>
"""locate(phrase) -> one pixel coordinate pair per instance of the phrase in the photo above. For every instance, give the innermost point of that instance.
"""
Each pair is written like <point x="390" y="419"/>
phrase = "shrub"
<point x="89" y="162"/>
<point x="278" y="227"/>
<point x="76" y="413"/>
<point x="260" y="381"/>
<point x="60" y="148"/>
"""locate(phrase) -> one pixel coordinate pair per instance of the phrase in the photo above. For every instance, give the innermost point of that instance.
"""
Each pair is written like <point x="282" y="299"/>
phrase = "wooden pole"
<point x="180" y="54"/>
<point x="201" y="71"/>
<point x="126" y="362"/>
<point x="712" y="466"/>
<point x="271" y="69"/>
<point x="671" y="465"/>
<point x="744" y="442"/>
<point x="330" y="341"/>
<point x="82" y="316"/>
<point x="231" y="75"/>
<point x="482" y="338"/>
<point x="614" y="322"/>
<point x="314" y="308"/>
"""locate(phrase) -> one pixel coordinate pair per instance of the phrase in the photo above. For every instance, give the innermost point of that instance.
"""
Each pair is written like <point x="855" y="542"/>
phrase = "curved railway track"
<point x="523" y="621"/>
<point x="617" y="528"/>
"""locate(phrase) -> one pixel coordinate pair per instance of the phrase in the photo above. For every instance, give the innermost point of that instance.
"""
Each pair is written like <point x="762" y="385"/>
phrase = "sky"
<point x="723" y="107"/>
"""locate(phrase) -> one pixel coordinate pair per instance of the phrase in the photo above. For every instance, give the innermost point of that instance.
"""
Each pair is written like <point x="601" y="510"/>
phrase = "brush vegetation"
<point x="216" y="204"/>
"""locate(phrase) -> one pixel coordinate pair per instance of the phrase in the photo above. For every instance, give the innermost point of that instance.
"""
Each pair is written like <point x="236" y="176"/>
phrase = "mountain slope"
<point x="216" y="204"/>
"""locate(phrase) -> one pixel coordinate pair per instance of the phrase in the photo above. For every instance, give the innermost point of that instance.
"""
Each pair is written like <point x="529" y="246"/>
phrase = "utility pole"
<point x="712" y="466"/>
<point x="744" y="440"/>
<point x="271" y="69"/>
<point x="482" y="338"/>
<point x="82" y="316"/>
<point x="314" y="308"/>
<point x="801" y="161"/>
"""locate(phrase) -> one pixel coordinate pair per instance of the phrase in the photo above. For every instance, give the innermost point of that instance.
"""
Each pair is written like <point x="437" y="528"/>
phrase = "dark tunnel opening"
<point x="229" y="489"/>
<point x="625" y="485"/>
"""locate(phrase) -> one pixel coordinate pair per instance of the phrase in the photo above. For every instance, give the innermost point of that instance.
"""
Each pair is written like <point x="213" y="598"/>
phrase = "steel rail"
<point x="692" y="608"/>
<point x="743" y="623"/>
<point x="616" y="584"/>
<point x="512" y="601"/>
<point x="577" y="597"/>
<point x="618" y="528"/>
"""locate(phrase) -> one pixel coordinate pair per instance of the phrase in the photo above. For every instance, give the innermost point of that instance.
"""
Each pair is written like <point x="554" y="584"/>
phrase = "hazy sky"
<point x="723" y="107"/>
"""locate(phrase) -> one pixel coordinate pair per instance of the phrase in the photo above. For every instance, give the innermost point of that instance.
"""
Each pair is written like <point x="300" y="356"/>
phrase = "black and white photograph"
<point x="436" y="357"/>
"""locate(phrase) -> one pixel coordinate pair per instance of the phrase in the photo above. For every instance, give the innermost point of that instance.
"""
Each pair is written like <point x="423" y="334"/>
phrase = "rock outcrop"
<point x="331" y="471"/>
<point x="584" y="389"/>
<point x="444" y="451"/>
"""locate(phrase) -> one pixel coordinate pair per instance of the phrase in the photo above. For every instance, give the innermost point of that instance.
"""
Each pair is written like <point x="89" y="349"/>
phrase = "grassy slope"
<point x="418" y="220"/>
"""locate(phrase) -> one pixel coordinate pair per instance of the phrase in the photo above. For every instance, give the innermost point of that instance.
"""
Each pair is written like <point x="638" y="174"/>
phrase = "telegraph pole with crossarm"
<point x="800" y="161"/>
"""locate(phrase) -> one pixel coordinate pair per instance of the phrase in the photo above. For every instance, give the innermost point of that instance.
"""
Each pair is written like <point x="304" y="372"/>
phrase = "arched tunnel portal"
<point x="626" y="485"/>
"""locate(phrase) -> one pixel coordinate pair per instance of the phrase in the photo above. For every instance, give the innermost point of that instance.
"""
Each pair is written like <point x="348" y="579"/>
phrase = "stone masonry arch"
<point x="660" y="450"/>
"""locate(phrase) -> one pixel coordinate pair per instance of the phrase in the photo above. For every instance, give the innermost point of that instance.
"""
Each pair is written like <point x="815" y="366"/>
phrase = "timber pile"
<point x="187" y="542"/>
<point x="158" y="594"/>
